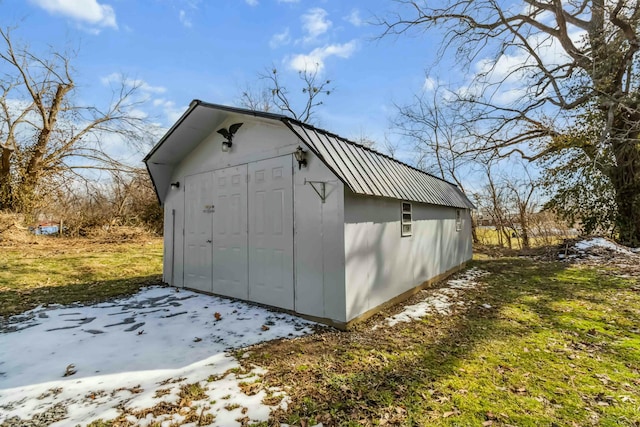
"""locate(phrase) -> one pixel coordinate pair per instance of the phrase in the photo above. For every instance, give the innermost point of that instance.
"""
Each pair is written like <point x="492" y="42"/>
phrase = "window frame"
<point x="404" y="222"/>
<point x="458" y="219"/>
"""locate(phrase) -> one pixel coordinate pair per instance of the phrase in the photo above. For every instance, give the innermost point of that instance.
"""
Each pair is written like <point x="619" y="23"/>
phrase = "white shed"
<point x="291" y="216"/>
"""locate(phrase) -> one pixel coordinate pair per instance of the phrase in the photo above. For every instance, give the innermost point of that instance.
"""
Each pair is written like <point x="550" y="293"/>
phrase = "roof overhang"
<point x="195" y="124"/>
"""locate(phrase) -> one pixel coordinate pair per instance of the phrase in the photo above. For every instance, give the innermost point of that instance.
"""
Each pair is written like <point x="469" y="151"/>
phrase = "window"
<point x="458" y="220"/>
<point x="407" y="221"/>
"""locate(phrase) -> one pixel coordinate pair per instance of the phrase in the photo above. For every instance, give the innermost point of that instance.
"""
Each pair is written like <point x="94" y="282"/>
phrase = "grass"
<point x="64" y="271"/>
<point x="560" y="346"/>
<point x="489" y="236"/>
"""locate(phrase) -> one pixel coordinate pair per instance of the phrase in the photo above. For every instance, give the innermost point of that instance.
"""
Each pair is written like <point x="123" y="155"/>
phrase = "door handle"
<point x="209" y="241"/>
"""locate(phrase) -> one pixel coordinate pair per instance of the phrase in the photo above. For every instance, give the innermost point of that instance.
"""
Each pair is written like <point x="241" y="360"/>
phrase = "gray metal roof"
<point x="366" y="171"/>
<point x="361" y="169"/>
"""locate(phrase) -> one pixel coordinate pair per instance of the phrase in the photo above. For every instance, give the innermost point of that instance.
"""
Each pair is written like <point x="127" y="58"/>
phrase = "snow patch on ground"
<point x="584" y="245"/>
<point x="135" y="353"/>
<point x="440" y="301"/>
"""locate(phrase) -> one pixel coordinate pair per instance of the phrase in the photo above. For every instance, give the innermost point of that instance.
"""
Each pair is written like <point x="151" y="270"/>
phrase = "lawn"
<point x="539" y="343"/>
<point x="559" y="345"/>
<point x="65" y="270"/>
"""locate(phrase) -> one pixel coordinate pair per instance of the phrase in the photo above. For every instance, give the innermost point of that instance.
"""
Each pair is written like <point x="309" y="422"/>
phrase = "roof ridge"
<point x="348" y="141"/>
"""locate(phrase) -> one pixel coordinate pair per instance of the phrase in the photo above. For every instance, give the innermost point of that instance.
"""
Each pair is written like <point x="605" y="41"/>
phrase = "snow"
<point x="584" y="245"/>
<point x="124" y="351"/>
<point x="440" y="301"/>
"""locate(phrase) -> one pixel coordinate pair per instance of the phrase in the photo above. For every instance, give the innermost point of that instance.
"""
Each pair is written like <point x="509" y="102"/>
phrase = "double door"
<point x="239" y="232"/>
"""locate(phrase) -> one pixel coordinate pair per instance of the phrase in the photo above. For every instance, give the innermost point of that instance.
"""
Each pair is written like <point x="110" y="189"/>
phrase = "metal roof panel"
<point x="366" y="171"/>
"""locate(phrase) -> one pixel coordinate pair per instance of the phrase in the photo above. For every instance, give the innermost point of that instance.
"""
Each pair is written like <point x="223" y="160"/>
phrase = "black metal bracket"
<point x="319" y="187"/>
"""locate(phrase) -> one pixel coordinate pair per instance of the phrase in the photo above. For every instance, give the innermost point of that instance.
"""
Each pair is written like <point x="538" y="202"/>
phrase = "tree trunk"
<point x="525" y="238"/>
<point x="474" y="231"/>
<point x="625" y="179"/>
<point x="524" y="227"/>
<point x="627" y="187"/>
<point x="6" y="184"/>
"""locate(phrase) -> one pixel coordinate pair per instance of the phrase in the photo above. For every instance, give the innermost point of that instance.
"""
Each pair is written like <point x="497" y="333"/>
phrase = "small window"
<point x="458" y="220"/>
<point x="407" y="220"/>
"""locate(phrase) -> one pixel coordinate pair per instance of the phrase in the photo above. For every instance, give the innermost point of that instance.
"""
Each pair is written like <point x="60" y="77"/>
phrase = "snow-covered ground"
<point x="135" y="353"/>
<point x="441" y="300"/>
<point x="584" y="245"/>
<point x="598" y="249"/>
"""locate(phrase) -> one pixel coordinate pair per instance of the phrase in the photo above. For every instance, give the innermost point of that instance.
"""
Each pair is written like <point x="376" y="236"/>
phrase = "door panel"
<point x="198" y="231"/>
<point x="230" y="260"/>
<point x="271" y="232"/>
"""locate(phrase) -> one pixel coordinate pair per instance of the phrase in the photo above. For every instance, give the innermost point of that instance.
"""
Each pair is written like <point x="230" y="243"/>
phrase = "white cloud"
<point x="354" y="18"/>
<point x="84" y="11"/>
<point x="280" y="39"/>
<point x="141" y="84"/>
<point x="315" y="23"/>
<point x="315" y="58"/>
<point x="171" y="112"/>
<point x="429" y="84"/>
<point x="184" y="20"/>
<point x="251" y="2"/>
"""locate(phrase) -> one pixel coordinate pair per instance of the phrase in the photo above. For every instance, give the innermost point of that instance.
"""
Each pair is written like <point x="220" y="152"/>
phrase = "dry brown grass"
<point x="44" y="270"/>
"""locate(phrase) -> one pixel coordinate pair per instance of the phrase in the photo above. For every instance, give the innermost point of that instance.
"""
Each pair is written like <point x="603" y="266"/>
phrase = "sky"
<point x="180" y="50"/>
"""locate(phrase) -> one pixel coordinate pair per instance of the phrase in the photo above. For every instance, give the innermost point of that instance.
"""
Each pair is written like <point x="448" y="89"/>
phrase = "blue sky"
<point x="211" y="49"/>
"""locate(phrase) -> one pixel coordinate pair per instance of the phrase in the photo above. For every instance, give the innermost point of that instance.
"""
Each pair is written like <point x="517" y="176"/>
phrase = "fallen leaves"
<point x="217" y="316"/>
<point x="519" y="390"/>
<point x="604" y="378"/>
<point x="70" y="370"/>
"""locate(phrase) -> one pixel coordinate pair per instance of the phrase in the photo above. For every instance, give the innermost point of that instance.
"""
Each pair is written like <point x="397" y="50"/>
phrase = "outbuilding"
<point x="265" y="208"/>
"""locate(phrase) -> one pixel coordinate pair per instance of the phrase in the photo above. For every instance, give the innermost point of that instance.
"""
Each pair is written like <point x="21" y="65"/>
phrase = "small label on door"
<point x="208" y="209"/>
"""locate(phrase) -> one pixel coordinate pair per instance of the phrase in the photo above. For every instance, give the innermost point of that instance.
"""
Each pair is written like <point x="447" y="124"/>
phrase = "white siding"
<point x="318" y="227"/>
<point x="174" y="271"/>
<point x="255" y="140"/>
<point x="380" y="264"/>
<point x="319" y="243"/>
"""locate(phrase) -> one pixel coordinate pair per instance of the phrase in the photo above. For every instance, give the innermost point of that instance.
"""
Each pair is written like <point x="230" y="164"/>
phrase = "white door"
<point x="198" y="235"/>
<point x="271" y="232"/>
<point x="230" y="265"/>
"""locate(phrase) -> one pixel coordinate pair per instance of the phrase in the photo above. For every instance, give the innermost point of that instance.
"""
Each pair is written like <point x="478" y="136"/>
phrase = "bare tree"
<point x="276" y="96"/>
<point x="515" y="52"/>
<point x="127" y="199"/>
<point x="43" y="133"/>
<point x="439" y="135"/>
<point x="435" y="132"/>
<point x="493" y="201"/>
<point x="257" y="99"/>
<point x="522" y="193"/>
